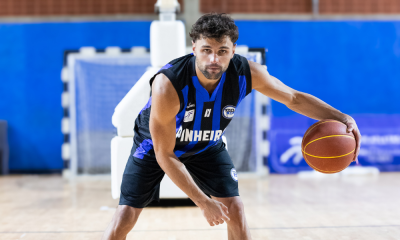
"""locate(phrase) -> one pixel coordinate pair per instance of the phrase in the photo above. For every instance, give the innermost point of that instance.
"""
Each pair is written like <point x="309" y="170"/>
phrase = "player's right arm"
<point x="164" y="108"/>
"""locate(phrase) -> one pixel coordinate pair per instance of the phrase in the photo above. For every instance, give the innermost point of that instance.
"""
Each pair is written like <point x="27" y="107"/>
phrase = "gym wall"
<point x="352" y="65"/>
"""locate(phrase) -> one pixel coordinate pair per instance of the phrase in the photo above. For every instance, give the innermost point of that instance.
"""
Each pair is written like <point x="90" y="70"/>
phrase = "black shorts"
<point x="212" y="171"/>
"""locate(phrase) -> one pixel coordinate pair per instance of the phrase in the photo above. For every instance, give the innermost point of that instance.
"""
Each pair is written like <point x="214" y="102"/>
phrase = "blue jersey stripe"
<point x="216" y="91"/>
<point x="200" y="99"/>
<point x="200" y="90"/>
<point x="205" y="95"/>
<point x="216" y="113"/>
<point x="242" y="88"/>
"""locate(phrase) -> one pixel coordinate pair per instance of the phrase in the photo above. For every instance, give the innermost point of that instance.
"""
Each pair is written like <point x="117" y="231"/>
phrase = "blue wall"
<point x="352" y="65"/>
<point x="31" y="58"/>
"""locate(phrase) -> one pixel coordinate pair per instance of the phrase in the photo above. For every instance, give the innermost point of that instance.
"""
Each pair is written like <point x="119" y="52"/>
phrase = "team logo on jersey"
<point x="228" y="111"/>
<point x="234" y="175"/>
<point x="189" y="115"/>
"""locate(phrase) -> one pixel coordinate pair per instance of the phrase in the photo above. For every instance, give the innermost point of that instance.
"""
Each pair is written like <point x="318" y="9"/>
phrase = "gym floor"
<point x="277" y="207"/>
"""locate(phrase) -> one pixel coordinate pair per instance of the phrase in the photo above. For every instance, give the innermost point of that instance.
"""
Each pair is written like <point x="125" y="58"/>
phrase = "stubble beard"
<point x="208" y="75"/>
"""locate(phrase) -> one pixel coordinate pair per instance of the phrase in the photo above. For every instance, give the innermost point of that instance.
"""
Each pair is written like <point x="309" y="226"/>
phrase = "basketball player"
<point x="179" y="131"/>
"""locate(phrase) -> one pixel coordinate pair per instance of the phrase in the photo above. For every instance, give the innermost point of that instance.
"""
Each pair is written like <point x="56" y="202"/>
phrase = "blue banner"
<point x="380" y="143"/>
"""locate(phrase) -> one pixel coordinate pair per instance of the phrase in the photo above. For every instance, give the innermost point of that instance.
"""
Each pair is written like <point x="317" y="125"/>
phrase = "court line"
<point x="210" y="229"/>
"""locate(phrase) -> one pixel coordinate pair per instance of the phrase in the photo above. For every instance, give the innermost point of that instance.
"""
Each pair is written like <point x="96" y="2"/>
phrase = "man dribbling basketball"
<point x="179" y="130"/>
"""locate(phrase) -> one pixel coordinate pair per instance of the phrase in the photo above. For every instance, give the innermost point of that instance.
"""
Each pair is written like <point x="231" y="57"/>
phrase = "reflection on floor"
<point x="277" y="207"/>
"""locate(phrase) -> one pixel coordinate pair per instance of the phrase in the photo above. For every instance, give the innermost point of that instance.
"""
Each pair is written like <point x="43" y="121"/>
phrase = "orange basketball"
<point x="327" y="147"/>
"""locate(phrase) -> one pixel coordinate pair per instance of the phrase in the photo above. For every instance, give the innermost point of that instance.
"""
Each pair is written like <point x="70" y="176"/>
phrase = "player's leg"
<point x="237" y="226"/>
<point x="140" y="186"/>
<point x="122" y="223"/>
<point x="215" y="174"/>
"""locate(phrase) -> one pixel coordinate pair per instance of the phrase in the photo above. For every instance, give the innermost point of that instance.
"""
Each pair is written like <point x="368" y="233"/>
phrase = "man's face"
<point x="212" y="56"/>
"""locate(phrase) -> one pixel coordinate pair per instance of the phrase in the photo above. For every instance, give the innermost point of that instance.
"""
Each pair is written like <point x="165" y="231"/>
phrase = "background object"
<point x="324" y="58"/>
<point x="3" y="148"/>
<point x="319" y="55"/>
<point x="97" y="82"/>
<point x="31" y="57"/>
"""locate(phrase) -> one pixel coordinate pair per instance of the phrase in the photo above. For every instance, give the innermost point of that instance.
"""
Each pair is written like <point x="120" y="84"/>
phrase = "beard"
<point x="211" y="75"/>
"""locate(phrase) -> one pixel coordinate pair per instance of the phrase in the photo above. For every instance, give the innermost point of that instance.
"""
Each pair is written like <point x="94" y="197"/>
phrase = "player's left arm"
<point x="300" y="102"/>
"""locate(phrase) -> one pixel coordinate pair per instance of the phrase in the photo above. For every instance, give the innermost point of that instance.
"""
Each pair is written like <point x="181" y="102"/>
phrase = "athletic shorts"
<point x="212" y="171"/>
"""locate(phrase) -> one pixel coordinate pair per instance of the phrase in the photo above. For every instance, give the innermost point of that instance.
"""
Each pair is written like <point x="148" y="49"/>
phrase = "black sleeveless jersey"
<point x="202" y="118"/>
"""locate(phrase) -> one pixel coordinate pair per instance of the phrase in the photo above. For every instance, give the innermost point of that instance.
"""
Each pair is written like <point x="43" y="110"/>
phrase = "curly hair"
<point x="216" y="26"/>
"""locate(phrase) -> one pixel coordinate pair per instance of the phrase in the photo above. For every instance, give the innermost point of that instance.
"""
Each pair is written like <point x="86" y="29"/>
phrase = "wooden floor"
<point x="277" y="207"/>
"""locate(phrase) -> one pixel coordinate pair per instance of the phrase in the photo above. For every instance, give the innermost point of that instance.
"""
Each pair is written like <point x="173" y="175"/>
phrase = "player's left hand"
<point x="352" y="127"/>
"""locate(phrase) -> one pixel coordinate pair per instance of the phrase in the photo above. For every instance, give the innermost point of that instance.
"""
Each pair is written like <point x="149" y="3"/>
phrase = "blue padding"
<point x="31" y="58"/>
<point x="352" y="65"/>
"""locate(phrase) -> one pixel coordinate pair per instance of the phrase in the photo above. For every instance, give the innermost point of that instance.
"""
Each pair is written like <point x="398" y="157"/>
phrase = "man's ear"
<point x="194" y="48"/>
<point x="234" y="49"/>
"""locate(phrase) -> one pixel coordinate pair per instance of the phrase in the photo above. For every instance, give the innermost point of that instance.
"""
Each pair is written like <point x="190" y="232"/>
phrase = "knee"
<point x="236" y="211"/>
<point x="236" y="206"/>
<point x="125" y="217"/>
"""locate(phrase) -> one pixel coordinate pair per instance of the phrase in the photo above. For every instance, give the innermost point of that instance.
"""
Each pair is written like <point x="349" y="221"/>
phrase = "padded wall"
<point x="353" y="65"/>
<point x="31" y="58"/>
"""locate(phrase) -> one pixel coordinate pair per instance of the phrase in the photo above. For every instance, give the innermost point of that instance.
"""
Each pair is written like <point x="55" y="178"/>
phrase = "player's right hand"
<point x="215" y="212"/>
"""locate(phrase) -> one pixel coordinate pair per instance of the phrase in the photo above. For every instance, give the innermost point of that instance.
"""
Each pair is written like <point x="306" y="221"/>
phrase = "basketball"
<point x="327" y="147"/>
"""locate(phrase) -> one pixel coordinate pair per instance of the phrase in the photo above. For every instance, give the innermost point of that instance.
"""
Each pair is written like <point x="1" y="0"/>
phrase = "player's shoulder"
<point x="240" y="63"/>
<point x="257" y="68"/>
<point x="180" y="64"/>
<point x="182" y="59"/>
<point x="238" y="59"/>
<point x="165" y="100"/>
<point x="175" y="69"/>
<point x="163" y="87"/>
<point x="173" y="77"/>
<point x="162" y="82"/>
<point x="242" y="68"/>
